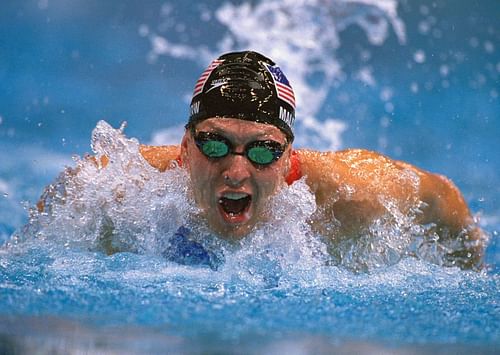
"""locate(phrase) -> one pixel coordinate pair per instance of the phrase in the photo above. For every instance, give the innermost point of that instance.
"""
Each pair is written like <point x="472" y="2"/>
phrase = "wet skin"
<point x="234" y="176"/>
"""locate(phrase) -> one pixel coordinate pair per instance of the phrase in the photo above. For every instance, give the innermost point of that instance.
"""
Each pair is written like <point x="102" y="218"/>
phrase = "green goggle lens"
<point x="215" y="146"/>
<point x="260" y="155"/>
<point x="215" y="149"/>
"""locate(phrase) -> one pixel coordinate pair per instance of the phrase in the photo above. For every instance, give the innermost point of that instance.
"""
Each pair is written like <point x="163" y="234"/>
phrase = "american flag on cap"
<point x="283" y="88"/>
<point x="198" y="87"/>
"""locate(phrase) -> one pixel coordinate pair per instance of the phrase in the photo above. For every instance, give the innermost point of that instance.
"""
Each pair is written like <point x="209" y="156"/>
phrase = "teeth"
<point x="235" y="195"/>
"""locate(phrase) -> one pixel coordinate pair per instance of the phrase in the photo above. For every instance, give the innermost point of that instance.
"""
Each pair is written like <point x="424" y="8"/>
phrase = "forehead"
<point x="242" y="129"/>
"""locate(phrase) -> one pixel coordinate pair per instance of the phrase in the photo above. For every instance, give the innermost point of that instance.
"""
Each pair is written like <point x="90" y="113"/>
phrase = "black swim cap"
<point x="244" y="85"/>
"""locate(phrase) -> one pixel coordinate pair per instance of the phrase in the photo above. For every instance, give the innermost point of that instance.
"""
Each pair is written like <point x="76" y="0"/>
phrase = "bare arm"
<point x="445" y="205"/>
<point x="160" y="157"/>
<point x="352" y="185"/>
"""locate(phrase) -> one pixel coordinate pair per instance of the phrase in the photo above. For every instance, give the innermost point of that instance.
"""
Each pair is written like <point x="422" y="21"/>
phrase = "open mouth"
<point x="235" y="204"/>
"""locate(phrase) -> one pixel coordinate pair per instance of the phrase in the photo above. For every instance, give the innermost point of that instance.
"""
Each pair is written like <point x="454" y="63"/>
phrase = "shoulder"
<point x="160" y="157"/>
<point x="352" y="162"/>
<point x="361" y="173"/>
<point x="345" y="157"/>
<point x="349" y="162"/>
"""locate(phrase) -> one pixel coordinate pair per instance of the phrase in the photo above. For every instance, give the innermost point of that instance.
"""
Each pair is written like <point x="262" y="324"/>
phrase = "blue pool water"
<point x="416" y="81"/>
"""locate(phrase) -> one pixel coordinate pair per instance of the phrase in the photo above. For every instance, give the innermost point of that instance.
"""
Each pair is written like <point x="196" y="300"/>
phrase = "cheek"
<point x="271" y="180"/>
<point x="202" y="178"/>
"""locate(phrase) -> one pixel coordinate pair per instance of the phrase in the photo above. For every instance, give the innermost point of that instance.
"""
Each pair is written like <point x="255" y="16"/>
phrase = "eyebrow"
<point x="248" y="138"/>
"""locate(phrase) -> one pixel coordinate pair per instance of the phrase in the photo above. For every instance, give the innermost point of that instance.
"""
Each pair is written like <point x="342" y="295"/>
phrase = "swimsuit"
<point x="181" y="249"/>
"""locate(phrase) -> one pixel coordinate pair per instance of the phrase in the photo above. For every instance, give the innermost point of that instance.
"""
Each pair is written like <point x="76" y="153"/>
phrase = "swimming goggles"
<point x="216" y="146"/>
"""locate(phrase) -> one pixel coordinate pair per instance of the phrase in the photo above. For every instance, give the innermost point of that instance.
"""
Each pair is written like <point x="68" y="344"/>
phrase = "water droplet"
<point x="123" y="126"/>
<point x="437" y="33"/>
<point x="143" y="30"/>
<point x="386" y="94"/>
<point x="424" y="10"/>
<point x="43" y="4"/>
<point x="206" y="16"/>
<point x="424" y="27"/>
<point x="489" y="47"/>
<point x="385" y="121"/>
<point x="444" y="70"/>
<point x="474" y="42"/>
<point x="389" y="107"/>
<point x="419" y="56"/>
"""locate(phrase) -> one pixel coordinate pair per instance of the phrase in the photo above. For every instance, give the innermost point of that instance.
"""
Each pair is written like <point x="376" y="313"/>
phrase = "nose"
<point x="237" y="171"/>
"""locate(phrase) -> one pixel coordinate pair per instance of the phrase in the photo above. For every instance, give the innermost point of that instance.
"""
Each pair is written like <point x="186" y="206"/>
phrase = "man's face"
<point x="232" y="191"/>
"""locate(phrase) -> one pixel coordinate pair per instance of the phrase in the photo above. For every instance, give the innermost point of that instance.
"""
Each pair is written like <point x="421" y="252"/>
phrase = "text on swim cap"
<point x="195" y="108"/>
<point x="286" y="116"/>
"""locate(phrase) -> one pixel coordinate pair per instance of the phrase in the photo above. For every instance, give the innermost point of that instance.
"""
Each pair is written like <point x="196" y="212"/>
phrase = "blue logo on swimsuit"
<point x="182" y="250"/>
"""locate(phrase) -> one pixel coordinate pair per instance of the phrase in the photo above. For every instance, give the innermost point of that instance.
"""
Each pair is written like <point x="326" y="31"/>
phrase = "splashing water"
<point x="123" y="204"/>
<point x="126" y="205"/>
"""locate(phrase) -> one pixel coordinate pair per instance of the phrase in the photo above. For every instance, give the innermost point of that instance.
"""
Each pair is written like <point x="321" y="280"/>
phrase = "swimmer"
<point x="237" y="150"/>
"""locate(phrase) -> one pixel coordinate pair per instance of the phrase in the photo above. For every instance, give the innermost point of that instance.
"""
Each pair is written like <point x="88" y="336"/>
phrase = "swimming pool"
<point x="417" y="82"/>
